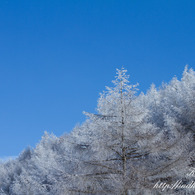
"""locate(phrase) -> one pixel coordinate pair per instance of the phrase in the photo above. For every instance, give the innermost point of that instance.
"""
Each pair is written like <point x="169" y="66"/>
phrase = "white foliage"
<point x="132" y="142"/>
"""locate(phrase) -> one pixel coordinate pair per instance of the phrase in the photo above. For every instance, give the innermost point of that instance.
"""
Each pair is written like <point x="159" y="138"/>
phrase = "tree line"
<point x="130" y="144"/>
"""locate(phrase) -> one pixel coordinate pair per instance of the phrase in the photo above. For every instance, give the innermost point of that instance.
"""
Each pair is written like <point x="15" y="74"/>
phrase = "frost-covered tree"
<point x="121" y="143"/>
<point x="172" y="111"/>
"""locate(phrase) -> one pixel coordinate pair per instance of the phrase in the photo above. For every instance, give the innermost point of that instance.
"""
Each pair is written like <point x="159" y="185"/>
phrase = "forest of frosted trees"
<point x="131" y="144"/>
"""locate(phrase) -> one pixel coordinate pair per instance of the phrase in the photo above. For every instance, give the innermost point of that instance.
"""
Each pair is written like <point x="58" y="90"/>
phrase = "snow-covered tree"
<point x="121" y="143"/>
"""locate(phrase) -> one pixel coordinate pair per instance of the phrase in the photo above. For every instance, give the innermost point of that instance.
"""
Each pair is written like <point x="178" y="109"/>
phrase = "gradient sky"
<point x="56" y="56"/>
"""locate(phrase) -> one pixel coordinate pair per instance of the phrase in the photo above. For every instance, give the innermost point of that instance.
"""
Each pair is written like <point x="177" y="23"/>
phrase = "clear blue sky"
<point x="56" y="56"/>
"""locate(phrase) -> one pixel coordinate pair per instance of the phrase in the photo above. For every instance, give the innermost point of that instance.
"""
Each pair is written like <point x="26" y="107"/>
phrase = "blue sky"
<point x="56" y="56"/>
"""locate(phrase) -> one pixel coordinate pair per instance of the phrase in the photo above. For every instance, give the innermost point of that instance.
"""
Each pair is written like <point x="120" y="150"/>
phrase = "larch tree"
<point x="121" y="143"/>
